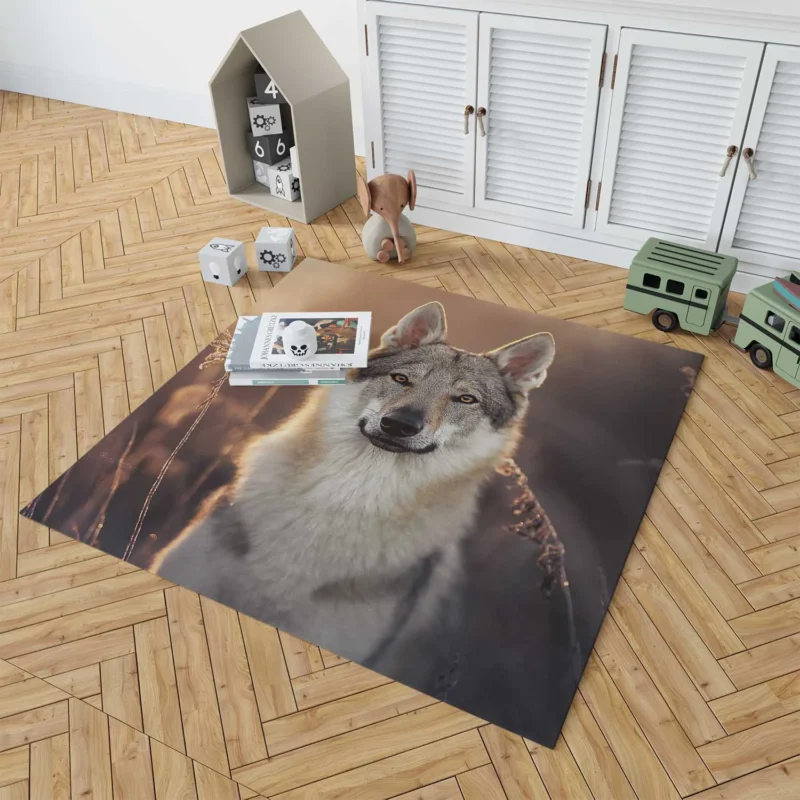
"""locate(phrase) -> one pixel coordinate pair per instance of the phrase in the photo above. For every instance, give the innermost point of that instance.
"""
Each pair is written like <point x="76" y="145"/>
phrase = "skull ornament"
<point x="299" y="339"/>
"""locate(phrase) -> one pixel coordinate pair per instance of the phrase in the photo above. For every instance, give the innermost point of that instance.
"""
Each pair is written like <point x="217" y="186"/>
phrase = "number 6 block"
<point x="270" y="149"/>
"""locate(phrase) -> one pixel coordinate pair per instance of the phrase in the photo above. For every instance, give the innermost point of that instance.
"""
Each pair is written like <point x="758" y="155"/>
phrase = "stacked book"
<point x="258" y="357"/>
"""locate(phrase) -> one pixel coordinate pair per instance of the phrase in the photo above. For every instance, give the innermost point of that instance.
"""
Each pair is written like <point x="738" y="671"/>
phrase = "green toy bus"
<point x="681" y="286"/>
<point x="686" y="287"/>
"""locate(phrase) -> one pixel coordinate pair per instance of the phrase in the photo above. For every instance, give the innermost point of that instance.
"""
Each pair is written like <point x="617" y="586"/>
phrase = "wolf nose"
<point x="402" y="422"/>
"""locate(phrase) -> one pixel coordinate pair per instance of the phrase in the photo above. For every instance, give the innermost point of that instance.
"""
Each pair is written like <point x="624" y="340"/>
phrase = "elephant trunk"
<point x="393" y="226"/>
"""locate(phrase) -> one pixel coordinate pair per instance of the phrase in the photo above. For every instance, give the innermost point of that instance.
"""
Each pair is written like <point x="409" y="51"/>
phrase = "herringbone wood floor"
<point x="115" y="684"/>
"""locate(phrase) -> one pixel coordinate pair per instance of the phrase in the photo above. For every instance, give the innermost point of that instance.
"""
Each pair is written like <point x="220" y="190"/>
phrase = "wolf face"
<point x="419" y="394"/>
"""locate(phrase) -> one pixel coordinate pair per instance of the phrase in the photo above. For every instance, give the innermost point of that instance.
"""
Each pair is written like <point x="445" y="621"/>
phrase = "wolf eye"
<point x="398" y="377"/>
<point x="467" y="399"/>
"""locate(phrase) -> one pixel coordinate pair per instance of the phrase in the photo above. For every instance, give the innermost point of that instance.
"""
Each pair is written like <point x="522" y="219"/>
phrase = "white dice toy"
<point x="282" y="183"/>
<point x="260" y="171"/>
<point x="222" y="261"/>
<point x="275" y="249"/>
<point x="268" y="118"/>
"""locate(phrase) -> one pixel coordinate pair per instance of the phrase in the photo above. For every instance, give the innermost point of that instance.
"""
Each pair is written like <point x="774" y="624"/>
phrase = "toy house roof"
<point x="292" y="54"/>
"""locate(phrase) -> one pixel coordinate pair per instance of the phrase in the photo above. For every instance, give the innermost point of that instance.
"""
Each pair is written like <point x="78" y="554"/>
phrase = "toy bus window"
<point x="794" y="335"/>
<point x="675" y="287"/>
<point x="774" y="321"/>
<point x="651" y="281"/>
<point x="701" y="294"/>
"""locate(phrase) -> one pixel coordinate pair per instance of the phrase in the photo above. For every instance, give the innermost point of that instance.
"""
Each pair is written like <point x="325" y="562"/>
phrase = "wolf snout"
<point x="402" y="422"/>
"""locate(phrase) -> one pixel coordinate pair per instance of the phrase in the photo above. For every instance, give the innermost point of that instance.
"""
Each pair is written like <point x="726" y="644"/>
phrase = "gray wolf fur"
<point x="345" y="524"/>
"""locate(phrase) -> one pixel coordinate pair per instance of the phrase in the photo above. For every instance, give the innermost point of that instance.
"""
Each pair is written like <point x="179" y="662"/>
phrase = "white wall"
<point x="151" y="57"/>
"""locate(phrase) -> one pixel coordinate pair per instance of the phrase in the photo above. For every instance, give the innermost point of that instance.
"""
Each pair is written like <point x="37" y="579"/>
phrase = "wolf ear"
<point x="524" y="363"/>
<point x="423" y="325"/>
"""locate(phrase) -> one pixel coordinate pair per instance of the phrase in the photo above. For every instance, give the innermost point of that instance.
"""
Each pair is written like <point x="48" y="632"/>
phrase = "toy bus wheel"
<point x="760" y="356"/>
<point x="665" y="320"/>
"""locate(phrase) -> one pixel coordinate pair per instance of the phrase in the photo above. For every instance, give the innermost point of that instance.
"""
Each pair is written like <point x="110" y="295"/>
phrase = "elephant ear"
<point x="364" y="195"/>
<point x="412" y="189"/>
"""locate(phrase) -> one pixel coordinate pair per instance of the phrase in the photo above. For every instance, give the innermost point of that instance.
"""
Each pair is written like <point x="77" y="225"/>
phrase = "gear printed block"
<point x="269" y="118"/>
<point x="282" y="182"/>
<point x="267" y="90"/>
<point x="276" y="250"/>
<point x="222" y="261"/>
<point x="271" y="148"/>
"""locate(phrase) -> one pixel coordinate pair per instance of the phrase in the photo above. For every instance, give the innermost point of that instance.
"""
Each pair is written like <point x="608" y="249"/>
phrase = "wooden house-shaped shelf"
<point x="291" y="52"/>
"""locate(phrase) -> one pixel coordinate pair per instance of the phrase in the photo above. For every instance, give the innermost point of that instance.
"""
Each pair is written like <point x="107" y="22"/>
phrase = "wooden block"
<point x="354" y="750"/>
<point x="400" y="773"/>
<point x="90" y="756"/>
<point x="663" y="731"/>
<point x="50" y="773"/>
<point x="675" y="686"/>
<point x="173" y="773"/>
<point x="325" y="685"/>
<point x="202" y="726"/>
<point x="340" y="716"/>
<point x="241" y="725"/>
<point x="120" y="689"/>
<point x="78" y="626"/>
<point x="560" y="773"/>
<point x="131" y="767"/>
<point x="753" y="749"/>
<point x="88" y="410"/>
<point x="301" y="657"/>
<point x="517" y="773"/>
<point x="641" y="766"/>
<point x="80" y="683"/>
<point x="34" y="475"/>
<point x="78" y="654"/>
<point x="271" y="682"/>
<point x="26" y="695"/>
<point x="481" y="784"/>
<point x="14" y="766"/>
<point x="213" y="786"/>
<point x="683" y="640"/>
<point x="137" y="369"/>
<point x="161" y="712"/>
<point x="31" y="726"/>
<point x="9" y="503"/>
<point x="718" y="636"/>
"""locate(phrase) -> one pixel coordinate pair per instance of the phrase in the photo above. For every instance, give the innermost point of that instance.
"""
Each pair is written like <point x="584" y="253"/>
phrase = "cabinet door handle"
<point x="468" y="110"/>
<point x="747" y="155"/>
<point x="480" y="115"/>
<point x="732" y="150"/>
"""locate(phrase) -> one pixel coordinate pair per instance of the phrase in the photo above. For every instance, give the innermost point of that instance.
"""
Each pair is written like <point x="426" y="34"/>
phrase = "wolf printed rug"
<point x="456" y="517"/>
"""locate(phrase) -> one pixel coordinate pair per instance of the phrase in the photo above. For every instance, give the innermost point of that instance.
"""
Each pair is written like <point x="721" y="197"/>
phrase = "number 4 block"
<point x="267" y="90"/>
<point x="270" y="149"/>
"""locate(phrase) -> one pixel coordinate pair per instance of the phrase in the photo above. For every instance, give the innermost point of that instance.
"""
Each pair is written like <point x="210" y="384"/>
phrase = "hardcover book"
<point x="342" y="341"/>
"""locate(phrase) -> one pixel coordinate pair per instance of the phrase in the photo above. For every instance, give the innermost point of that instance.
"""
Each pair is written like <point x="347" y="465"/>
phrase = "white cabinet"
<point x="588" y="134"/>
<point x="679" y="103"/>
<point x="420" y="81"/>
<point x="538" y="85"/>
<point x="529" y="99"/>
<point x="763" y="220"/>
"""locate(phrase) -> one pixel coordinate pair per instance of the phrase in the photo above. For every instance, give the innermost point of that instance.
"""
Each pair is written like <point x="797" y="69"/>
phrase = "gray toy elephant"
<point x="387" y="232"/>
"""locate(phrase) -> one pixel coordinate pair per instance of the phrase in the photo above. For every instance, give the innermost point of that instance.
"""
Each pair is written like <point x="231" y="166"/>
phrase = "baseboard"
<point x="130" y="98"/>
<point x="614" y="255"/>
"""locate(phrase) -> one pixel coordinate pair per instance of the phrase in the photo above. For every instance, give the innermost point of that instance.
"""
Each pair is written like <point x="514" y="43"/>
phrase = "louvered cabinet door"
<point x="762" y="225"/>
<point x="421" y="78"/>
<point x="679" y="102"/>
<point x="538" y="83"/>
